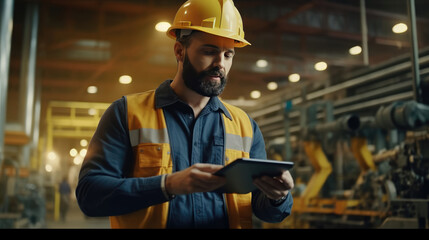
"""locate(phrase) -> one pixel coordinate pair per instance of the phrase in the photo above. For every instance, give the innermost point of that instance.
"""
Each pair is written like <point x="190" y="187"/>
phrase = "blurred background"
<point x="340" y="87"/>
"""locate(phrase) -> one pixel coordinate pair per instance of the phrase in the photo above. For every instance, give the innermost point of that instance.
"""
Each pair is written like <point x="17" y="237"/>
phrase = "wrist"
<point x="165" y="188"/>
<point x="278" y="202"/>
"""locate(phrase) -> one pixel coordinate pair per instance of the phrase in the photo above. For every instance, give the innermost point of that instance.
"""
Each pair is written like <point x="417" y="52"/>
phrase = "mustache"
<point x="214" y="72"/>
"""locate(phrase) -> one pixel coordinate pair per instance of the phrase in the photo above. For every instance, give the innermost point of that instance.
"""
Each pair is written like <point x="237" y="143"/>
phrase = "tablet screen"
<point x="241" y="172"/>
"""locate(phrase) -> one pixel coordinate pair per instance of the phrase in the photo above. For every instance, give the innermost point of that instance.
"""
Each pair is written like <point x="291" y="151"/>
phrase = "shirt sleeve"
<point x="104" y="187"/>
<point x="262" y="207"/>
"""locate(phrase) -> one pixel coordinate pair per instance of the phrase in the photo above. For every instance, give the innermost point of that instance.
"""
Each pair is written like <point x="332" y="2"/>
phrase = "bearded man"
<point x="151" y="161"/>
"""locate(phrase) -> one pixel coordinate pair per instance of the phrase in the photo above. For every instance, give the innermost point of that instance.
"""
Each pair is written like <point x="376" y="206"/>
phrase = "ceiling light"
<point x="355" y="50"/>
<point x="294" y="77"/>
<point x="73" y="152"/>
<point x="400" y="28"/>
<point x="83" y="143"/>
<point x="92" y="111"/>
<point x="48" y="168"/>
<point x="261" y="63"/>
<point x="92" y="89"/>
<point x="52" y="156"/>
<point x="321" y="66"/>
<point x="162" y="26"/>
<point x="255" y="94"/>
<point x="77" y="160"/>
<point x="82" y="152"/>
<point x="272" y="86"/>
<point x="125" y="79"/>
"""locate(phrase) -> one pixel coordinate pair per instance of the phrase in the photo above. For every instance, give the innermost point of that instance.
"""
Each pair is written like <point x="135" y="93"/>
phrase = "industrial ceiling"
<point x="84" y="43"/>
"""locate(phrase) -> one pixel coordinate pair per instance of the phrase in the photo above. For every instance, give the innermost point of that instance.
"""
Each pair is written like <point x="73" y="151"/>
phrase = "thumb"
<point x="209" y="168"/>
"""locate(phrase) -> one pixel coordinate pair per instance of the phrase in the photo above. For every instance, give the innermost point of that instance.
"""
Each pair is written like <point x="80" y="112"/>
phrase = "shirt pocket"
<point x="214" y="152"/>
<point x="152" y="159"/>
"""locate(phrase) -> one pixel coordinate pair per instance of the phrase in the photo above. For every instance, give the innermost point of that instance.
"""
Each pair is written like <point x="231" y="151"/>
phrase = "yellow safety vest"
<point x="152" y="154"/>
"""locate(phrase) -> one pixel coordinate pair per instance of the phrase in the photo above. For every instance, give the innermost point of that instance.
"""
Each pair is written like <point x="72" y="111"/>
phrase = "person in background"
<point x="65" y="191"/>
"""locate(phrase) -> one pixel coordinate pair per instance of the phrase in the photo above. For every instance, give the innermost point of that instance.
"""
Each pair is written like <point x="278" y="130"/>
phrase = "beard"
<point x="200" y="81"/>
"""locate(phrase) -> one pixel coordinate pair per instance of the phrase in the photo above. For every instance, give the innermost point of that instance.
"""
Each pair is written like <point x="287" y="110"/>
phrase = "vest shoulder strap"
<point x="238" y="129"/>
<point x="146" y="123"/>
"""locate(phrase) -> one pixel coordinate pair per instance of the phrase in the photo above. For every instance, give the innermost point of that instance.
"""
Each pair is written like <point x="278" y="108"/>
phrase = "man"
<point x="151" y="161"/>
<point x="64" y="189"/>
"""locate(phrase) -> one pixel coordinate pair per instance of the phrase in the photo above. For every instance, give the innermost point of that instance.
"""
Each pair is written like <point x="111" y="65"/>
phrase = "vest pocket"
<point x="152" y="160"/>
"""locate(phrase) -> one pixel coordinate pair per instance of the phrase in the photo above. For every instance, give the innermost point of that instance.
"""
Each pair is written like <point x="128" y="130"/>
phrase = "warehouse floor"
<point x="77" y="220"/>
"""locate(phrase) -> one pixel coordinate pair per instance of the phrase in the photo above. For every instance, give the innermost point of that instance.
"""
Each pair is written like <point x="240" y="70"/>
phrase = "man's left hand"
<point x="275" y="187"/>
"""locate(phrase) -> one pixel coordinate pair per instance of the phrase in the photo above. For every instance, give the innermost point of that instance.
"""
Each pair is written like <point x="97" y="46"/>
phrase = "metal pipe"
<point x="346" y="123"/>
<point x="28" y="68"/>
<point x="372" y="76"/>
<point x="415" y="66"/>
<point x="6" y="25"/>
<point x="364" y="28"/>
<point x="28" y="77"/>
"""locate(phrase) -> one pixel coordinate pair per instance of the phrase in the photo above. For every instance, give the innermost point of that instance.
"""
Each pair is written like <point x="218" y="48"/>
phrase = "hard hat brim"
<point x="239" y="41"/>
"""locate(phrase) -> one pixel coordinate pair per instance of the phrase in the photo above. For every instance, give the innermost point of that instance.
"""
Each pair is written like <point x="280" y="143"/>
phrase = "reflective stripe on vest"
<point x="151" y="147"/>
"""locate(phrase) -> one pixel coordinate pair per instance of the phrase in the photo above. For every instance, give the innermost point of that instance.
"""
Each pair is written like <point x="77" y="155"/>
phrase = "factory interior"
<point x="339" y="87"/>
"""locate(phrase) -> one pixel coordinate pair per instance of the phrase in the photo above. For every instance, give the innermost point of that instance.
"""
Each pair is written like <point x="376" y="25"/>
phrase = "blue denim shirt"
<point x="104" y="189"/>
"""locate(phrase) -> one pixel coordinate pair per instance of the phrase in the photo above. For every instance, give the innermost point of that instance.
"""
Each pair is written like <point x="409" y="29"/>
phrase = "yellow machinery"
<point x="70" y="120"/>
<point x="322" y="169"/>
<point x="363" y="156"/>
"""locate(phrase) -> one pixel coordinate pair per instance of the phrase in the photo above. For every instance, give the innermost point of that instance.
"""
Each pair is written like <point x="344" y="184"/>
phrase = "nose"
<point x="220" y="61"/>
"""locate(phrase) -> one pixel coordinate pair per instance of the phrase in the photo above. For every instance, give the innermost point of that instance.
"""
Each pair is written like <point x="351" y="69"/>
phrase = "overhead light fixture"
<point x="48" y="168"/>
<point x="73" y="152"/>
<point x="355" y="50"/>
<point x="82" y="152"/>
<point x="294" y="77"/>
<point x="92" y="89"/>
<point x="262" y="63"/>
<point x="52" y="156"/>
<point x="83" y="143"/>
<point x="125" y="79"/>
<point x="272" y="86"/>
<point x="255" y="94"/>
<point x="92" y="111"/>
<point x="77" y="160"/>
<point x="400" y="28"/>
<point x="321" y="66"/>
<point x="162" y="26"/>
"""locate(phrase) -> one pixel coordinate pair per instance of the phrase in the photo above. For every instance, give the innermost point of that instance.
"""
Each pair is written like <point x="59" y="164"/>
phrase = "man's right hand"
<point x="197" y="178"/>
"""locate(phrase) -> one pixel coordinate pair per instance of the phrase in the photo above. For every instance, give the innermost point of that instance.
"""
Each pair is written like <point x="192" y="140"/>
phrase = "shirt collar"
<point x="165" y="96"/>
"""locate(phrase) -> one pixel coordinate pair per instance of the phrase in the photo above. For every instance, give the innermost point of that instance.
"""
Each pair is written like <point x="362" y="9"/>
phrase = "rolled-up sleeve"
<point x="261" y="205"/>
<point x="104" y="187"/>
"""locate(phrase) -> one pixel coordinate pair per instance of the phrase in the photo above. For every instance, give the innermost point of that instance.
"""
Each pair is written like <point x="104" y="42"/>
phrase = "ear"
<point x="179" y="51"/>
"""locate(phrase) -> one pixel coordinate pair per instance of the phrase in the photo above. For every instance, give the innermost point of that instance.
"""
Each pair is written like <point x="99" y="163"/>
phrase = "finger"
<point x="209" y="168"/>
<point x="204" y="181"/>
<point x="287" y="179"/>
<point x="267" y="190"/>
<point x="275" y="183"/>
<point x="203" y="176"/>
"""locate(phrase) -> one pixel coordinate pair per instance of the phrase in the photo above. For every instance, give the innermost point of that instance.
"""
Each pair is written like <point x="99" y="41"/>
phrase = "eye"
<point x="229" y="55"/>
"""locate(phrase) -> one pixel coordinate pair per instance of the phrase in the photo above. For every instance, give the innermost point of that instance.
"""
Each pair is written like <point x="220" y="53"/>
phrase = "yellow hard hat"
<point x="217" y="17"/>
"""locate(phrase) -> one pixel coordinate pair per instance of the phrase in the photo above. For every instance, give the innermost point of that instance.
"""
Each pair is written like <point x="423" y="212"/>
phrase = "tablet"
<point x="241" y="172"/>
